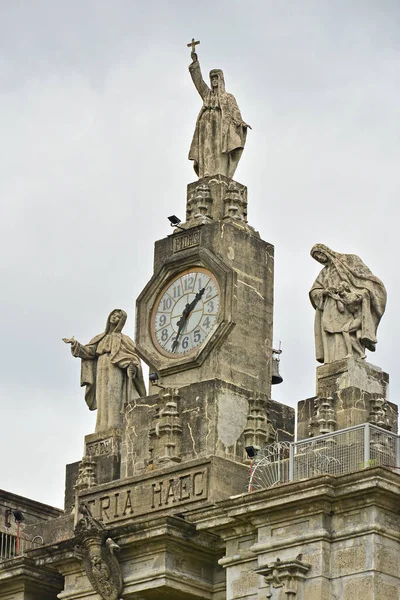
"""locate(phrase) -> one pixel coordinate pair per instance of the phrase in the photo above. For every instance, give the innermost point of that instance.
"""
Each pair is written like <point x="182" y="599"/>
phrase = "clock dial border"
<point x="178" y="300"/>
<point x="227" y="279"/>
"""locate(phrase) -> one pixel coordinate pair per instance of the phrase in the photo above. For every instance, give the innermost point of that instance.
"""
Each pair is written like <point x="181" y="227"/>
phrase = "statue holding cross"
<point x="193" y="45"/>
<point x="220" y="132"/>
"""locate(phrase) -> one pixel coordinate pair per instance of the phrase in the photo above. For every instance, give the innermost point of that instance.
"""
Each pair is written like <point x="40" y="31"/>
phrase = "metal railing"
<point x="12" y="545"/>
<point x="337" y="453"/>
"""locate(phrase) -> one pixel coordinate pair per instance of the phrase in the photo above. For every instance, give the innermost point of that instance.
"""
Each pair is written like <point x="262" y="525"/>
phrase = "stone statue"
<point x="349" y="302"/>
<point x="220" y="133"/>
<point x="110" y="370"/>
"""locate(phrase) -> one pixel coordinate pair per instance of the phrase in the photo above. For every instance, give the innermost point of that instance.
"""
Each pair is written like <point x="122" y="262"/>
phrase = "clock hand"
<point x="185" y="315"/>
<point x="181" y="323"/>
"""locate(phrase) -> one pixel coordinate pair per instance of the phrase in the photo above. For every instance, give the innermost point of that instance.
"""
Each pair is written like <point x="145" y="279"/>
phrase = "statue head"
<point x="217" y="80"/>
<point x="116" y="320"/>
<point x="321" y="253"/>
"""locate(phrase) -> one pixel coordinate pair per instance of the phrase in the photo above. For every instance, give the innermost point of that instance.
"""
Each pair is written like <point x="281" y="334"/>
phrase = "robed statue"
<point x="349" y="302"/>
<point x="220" y="133"/>
<point x="110" y="371"/>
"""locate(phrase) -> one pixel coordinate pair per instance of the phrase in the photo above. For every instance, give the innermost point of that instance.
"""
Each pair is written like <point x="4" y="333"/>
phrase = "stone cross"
<point x="193" y="44"/>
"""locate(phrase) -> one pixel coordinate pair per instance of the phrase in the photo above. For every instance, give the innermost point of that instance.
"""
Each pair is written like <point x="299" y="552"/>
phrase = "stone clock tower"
<point x="207" y="311"/>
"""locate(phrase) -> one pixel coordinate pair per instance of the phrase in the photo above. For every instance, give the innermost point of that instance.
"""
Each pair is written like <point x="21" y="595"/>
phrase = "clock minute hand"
<point x="185" y="315"/>
<point x="190" y="307"/>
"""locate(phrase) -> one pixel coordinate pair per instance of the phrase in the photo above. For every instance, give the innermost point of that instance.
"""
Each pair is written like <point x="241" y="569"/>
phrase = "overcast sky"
<point x="97" y="111"/>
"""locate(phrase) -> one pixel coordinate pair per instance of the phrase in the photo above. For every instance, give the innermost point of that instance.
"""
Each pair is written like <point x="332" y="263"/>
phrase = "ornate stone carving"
<point x="166" y="430"/>
<point x="349" y="302"/>
<point x="220" y="133"/>
<point x="86" y="475"/>
<point x="324" y="418"/>
<point x="285" y="579"/>
<point x="96" y="551"/>
<point x="235" y="204"/>
<point x="377" y="414"/>
<point x="258" y="431"/>
<point x="110" y="371"/>
<point x="199" y="205"/>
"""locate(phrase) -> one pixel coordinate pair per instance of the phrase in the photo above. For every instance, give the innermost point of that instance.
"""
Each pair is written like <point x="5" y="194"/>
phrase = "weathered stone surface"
<point x="329" y="527"/>
<point x="53" y="531"/>
<point x="349" y="302"/>
<point x="358" y="394"/>
<point x="71" y="475"/>
<point x="213" y="420"/>
<point x="24" y="579"/>
<point x="105" y="450"/>
<point x="169" y="490"/>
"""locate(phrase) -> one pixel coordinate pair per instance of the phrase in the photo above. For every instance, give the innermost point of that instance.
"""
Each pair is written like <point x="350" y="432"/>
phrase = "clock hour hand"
<point x="185" y="315"/>
<point x="181" y="323"/>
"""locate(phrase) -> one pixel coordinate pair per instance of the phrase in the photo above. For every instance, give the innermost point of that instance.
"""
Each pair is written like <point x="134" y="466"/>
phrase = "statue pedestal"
<point x="349" y="392"/>
<point x="105" y="449"/>
<point x="214" y="198"/>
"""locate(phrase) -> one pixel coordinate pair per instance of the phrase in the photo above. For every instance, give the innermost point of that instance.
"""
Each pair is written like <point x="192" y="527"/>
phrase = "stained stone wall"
<point x="323" y="538"/>
<point x="212" y="418"/>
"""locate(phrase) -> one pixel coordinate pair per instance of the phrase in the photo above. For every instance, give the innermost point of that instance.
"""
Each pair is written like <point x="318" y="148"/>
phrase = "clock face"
<point x="185" y="313"/>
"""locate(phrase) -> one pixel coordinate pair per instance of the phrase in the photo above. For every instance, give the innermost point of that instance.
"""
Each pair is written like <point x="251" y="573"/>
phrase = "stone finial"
<point x="349" y="302"/>
<point x="96" y="551"/>
<point x="258" y="431"/>
<point x="166" y="430"/>
<point x="377" y="414"/>
<point x="199" y="205"/>
<point x="86" y="475"/>
<point x="324" y="419"/>
<point x="235" y="204"/>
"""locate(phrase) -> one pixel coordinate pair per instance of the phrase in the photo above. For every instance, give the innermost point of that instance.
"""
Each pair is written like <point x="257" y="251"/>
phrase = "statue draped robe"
<point x="220" y="133"/>
<point x="105" y="360"/>
<point x="330" y="322"/>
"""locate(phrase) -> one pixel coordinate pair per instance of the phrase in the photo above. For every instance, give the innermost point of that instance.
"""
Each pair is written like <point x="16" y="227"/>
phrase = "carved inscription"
<point x="100" y="448"/>
<point x="148" y="496"/>
<point x="185" y="487"/>
<point x="185" y="240"/>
